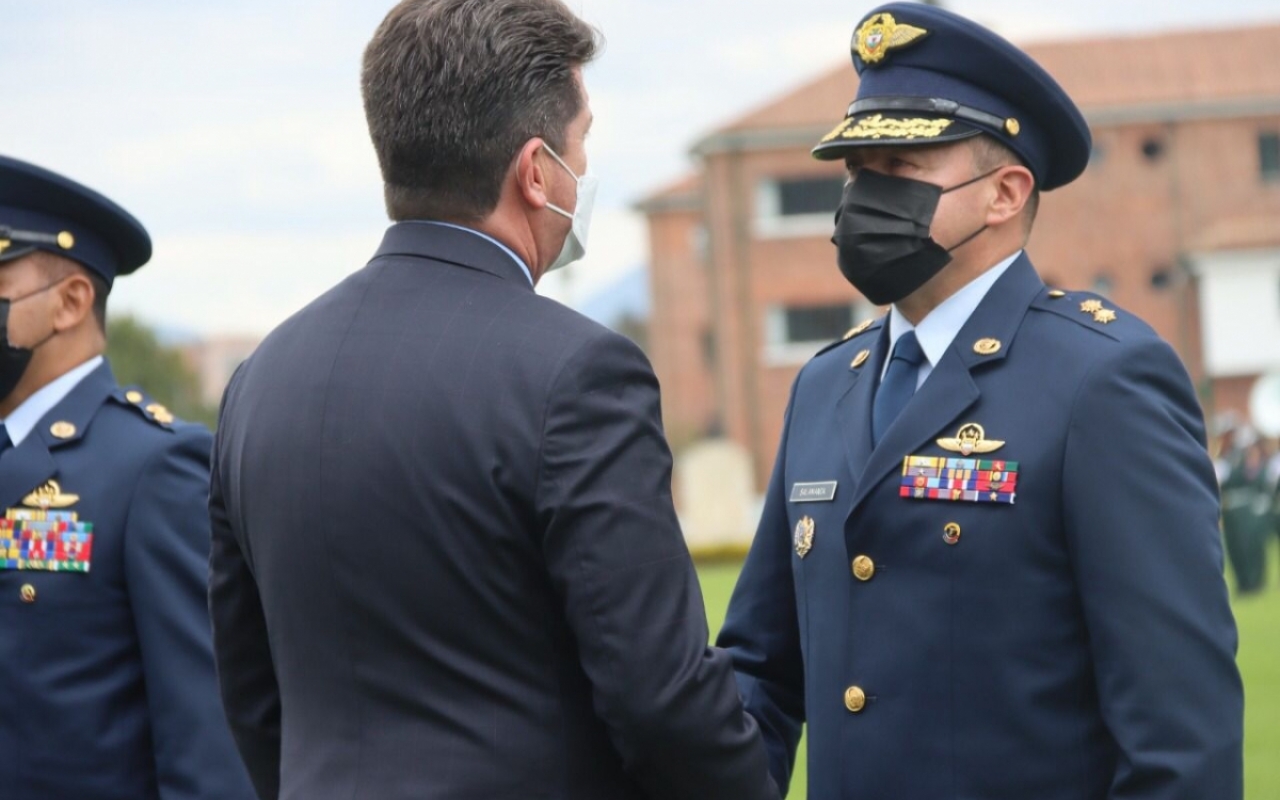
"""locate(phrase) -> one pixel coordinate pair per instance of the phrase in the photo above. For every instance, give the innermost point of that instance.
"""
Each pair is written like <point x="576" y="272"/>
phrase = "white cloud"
<point x="234" y="130"/>
<point x="239" y="283"/>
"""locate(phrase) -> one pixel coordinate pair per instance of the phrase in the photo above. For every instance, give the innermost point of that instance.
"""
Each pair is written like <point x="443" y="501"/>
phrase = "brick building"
<point x="1177" y="219"/>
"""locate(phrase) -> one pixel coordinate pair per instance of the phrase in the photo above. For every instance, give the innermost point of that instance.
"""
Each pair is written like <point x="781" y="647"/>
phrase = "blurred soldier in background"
<point x="105" y="653"/>
<point x="1248" y="495"/>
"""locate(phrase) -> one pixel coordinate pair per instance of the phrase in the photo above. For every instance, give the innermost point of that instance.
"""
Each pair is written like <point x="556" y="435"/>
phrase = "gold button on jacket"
<point x="864" y="569"/>
<point x="855" y="699"/>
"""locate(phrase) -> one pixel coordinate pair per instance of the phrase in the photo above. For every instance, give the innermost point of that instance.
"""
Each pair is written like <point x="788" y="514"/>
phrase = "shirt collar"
<point x="26" y="416"/>
<point x="505" y="249"/>
<point x="940" y="327"/>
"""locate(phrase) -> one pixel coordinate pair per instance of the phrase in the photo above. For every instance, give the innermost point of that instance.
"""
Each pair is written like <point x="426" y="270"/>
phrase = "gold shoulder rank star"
<point x="882" y="33"/>
<point x="1091" y="306"/>
<point x="160" y="414"/>
<point x="1104" y="315"/>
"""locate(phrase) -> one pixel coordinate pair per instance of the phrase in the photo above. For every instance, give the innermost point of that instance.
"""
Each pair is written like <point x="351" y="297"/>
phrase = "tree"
<point x="138" y="358"/>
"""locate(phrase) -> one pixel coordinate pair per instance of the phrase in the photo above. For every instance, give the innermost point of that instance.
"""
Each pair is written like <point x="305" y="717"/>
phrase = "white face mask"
<point x="575" y="244"/>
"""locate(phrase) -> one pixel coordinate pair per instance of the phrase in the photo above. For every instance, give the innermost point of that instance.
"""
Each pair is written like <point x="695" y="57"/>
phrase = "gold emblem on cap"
<point x="134" y="397"/>
<point x="62" y="430"/>
<point x="1012" y="126"/>
<point x="860" y="359"/>
<point x="66" y="241"/>
<point x="50" y="496"/>
<point x="970" y="439"/>
<point x="1091" y="306"/>
<point x="882" y="33"/>
<point x="804" y="536"/>
<point x="1104" y="316"/>
<point x="987" y="347"/>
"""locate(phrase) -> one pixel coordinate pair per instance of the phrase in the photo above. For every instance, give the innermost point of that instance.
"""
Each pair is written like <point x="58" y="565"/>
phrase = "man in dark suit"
<point x="445" y="558"/>
<point x="942" y="641"/>
<point x="105" y="652"/>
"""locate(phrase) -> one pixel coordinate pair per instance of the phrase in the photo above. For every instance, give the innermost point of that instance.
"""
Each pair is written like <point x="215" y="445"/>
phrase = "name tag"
<point x="821" y="492"/>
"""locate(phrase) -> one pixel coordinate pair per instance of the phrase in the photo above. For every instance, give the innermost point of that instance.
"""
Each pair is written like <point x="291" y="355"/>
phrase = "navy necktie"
<point x="898" y="385"/>
<point x="5" y="442"/>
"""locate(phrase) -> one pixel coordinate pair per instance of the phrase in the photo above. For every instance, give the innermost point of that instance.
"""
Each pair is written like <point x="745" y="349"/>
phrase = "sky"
<point x="234" y="130"/>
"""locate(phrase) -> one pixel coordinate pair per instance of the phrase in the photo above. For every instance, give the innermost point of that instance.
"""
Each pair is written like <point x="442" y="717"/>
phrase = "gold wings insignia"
<point x="50" y="496"/>
<point x="904" y="35"/>
<point x="970" y="439"/>
<point x="958" y="446"/>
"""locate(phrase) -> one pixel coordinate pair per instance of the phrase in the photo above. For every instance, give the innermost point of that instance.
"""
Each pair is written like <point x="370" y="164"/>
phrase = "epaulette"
<point x="1087" y="309"/>
<point x="866" y="326"/>
<point x="150" y="410"/>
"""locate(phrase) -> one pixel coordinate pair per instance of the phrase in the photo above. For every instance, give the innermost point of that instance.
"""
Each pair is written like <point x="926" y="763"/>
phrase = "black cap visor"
<point x="891" y="128"/>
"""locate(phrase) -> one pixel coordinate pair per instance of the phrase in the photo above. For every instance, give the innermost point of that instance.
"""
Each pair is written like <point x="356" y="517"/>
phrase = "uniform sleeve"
<point x="246" y="671"/>
<point x="166" y="551"/>
<point x="761" y="631"/>
<point x="617" y="557"/>
<point x="1141" y="513"/>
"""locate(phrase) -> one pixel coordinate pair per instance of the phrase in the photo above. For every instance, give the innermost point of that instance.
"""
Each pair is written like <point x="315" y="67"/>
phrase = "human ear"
<point x="531" y="177"/>
<point x="74" y="298"/>
<point x="1013" y="187"/>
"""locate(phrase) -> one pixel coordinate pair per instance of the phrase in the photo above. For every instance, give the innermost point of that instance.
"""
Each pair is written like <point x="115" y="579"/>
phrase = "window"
<point x="1103" y="284"/>
<point x="794" y="333"/>
<point x="1097" y="155"/>
<point x="700" y="242"/>
<point x="1269" y="156"/>
<point x="798" y="206"/>
<point x="709" y="349"/>
<point x="817" y="323"/>
<point x="802" y="196"/>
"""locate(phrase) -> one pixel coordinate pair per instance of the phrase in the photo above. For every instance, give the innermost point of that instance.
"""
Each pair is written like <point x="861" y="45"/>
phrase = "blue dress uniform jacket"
<point x="109" y="687"/>
<point x="1076" y="644"/>
<point x="446" y="562"/>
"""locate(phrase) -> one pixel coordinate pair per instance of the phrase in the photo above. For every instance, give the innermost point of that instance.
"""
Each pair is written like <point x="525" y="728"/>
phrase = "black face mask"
<point x="14" y="360"/>
<point x="882" y="234"/>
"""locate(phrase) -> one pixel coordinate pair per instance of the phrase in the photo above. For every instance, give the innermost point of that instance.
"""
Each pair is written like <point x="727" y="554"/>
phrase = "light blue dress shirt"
<point x="26" y="416"/>
<point x="941" y="326"/>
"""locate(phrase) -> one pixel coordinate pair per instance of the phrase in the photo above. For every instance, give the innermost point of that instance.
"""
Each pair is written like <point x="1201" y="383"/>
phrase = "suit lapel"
<point x="853" y="409"/>
<point x="29" y="465"/>
<point x="950" y="389"/>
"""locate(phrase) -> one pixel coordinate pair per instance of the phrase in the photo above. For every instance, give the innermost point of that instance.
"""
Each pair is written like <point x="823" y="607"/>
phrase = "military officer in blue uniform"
<point x="989" y="563"/>
<point x="105" y="652"/>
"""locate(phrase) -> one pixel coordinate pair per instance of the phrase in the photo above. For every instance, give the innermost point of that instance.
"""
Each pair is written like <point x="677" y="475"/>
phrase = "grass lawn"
<point x="1258" y="618"/>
